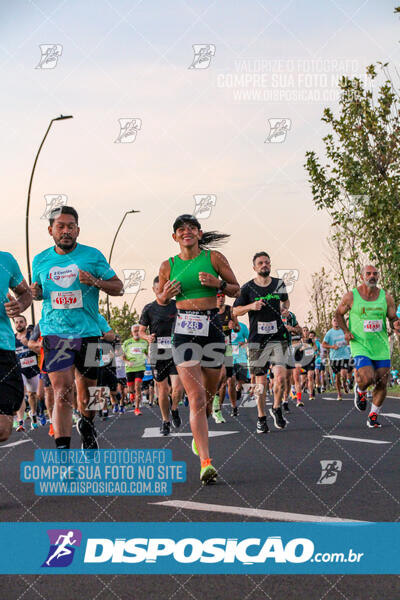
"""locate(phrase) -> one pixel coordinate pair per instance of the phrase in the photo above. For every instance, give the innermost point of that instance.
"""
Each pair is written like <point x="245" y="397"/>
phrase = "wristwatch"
<point x="222" y="286"/>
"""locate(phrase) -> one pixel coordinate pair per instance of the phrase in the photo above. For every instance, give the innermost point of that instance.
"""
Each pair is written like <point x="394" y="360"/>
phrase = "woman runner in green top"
<point x="194" y="276"/>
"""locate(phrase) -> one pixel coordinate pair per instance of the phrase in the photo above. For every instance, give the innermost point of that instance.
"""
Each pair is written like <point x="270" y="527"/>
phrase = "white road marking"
<point x="152" y="432"/>
<point x="336" y="400"/>
<point x="273" y="515"/>
<point x="15" y="443"/>
<point x="351" y="439"/>
<point x="391" y="415"/>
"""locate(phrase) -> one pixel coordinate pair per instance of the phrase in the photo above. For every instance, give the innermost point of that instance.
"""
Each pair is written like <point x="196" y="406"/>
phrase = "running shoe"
<point x="42" y="419"/>
<point x="75" y="417"/>
<point x="276" y="414"/>
<point x="262" y="426"/>
<point x="360" y="399"/>
<point x="20" y="428"/>
<point x="115" y="409"/>
<point x="318" y="390"/>
<point x="15" y="423"/>
<point x="218" y="418"/>
<point x="194" y="448"/>
<point x="165" y="428"/>
<point x="323" y="390"/>
<point x="372" y="420"/>
<point x="121" y="409"/>
<point x="137" y="412"/>
<point x="369" y="394"/>
<point x="216" y="404"/>
<point x="51" y="430"/>
<point x="34" y="425"/>
<point x="88" y="434"/>
<point x="339" y="398"/>
<point x="234" y="411"/>
<point x="176" y="419"/>
<point x="312" y="398"/>
<point x="285" y="406"/>
<point x="104" y="416"/>
<point x="186" y="401"/>
<point x="208" y="473"/>
<point x="299" y="403"/>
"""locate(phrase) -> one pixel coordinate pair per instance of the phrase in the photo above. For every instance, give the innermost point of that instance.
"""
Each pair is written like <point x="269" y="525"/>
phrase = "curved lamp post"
<point x="128" y="212"/>
<point x="60" y="118"/>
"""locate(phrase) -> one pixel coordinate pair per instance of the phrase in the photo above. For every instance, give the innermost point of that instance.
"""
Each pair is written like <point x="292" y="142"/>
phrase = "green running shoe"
<point x="217" y="416"/>
<point x="208" y="474"/>
<point x="194" y="448"/>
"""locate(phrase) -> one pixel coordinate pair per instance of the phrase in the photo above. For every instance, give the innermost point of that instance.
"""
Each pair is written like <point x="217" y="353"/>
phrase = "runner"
<point x="121" y="376"/>
<point x="11" y="384"/>
<point x="36" y="344"/>
<point x="107" y="373"/>
<point x="193" y="276"/>
<point x="68" y="278"/>
<point x="240" y="362"/>
<point x="339" y="355"/>
<point x="159" y="319"/>
<point x="148" y="387"/>
<point x="263" y="298"/>
<point x="29" y="366"/>
<point x="369" y="308"/>
<point x="309" y="354"/>
<point x="229" y="323"/>
<point x="289" y="319"/>
<point x="135" y="352"/>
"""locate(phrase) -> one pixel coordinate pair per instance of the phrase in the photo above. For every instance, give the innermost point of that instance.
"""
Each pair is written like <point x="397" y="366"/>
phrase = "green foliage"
<point x="360" y="183"/>
<point x="121" y="319"/>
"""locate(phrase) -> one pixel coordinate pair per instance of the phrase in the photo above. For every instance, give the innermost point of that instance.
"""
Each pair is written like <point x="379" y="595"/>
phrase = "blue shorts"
<point x="364" y="361"/>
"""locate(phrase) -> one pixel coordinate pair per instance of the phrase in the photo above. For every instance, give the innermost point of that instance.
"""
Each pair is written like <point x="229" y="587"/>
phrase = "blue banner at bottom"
<point x="199" y="548"/>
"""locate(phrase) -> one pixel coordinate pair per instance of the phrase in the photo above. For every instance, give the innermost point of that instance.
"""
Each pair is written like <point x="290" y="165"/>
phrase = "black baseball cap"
<point x="182" y="219"/>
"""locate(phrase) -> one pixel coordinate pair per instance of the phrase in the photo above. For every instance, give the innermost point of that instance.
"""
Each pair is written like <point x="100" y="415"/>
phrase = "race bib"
<point x="373" y="326"/>
<point x="309" y="352"/>
<point x="136" y="351"/>
<point x="65" y="300"/>
<point x="29" y="361"/>
<point x="148" y="373"/>
<point x="164" y="342"/>
<point x="235" y="348"/>
<point x="192" y="324"/>
<point x="267" y="328"/>
<point x="341" y="344"/>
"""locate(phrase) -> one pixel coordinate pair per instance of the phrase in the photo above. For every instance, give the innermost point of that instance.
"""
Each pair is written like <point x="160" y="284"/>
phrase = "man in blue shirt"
<point x="240" y="360"/>
<point x="11" y="385"/>
<point x="339" y="356"/>
<point x="68" y="278"/>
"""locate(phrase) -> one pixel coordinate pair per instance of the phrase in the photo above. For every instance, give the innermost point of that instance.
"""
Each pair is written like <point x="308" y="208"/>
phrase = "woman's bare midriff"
<point x="198" y="303"/>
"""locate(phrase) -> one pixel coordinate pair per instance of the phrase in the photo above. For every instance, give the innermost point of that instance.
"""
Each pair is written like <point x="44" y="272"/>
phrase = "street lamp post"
<point x="60" y="118"/>
<point x="128" y="212"/>
<point x="139" y="290"/>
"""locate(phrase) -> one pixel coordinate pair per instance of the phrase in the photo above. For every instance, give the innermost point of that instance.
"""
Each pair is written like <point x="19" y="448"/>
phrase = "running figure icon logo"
<point x="63" y="543"/>
<point x="49" y="56"/>
<point x="132" y="280"/>
<point x="53" y="202"/>
<point x="289" y="277"/>
<point x="128" y="129"/>
<point x="203" y="205"/>
<point x="278" y="129"/>
<point x="203" y="54"/>
<point x="330" y="471"/>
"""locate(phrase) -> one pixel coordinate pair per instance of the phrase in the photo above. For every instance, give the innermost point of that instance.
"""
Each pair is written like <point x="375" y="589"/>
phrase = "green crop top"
<point x="187" y="273"/>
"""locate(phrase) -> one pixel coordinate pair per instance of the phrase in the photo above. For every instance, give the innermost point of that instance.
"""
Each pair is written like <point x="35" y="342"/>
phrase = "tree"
<point x="121" y="319"/>
<point x="324" y="299"/>
<point x="360" y="183"/>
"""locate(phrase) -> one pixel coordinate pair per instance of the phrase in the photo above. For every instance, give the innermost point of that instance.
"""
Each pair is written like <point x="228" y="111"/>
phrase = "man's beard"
<point x="264" y="273"/>
<point x="371" y="284"/>
<point x="20" y="330"/>
<point x="63" y="245"/>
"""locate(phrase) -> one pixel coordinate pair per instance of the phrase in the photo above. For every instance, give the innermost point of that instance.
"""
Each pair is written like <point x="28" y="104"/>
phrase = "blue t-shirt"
<point x="104" y="326"/>
<point x="10" y="277"/>
<point x="70" y="308"/>
<point x="336" y="337"/>
<point x="239" y="352"/>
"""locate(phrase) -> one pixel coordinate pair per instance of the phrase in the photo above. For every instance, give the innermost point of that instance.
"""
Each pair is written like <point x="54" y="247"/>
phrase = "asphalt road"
<point x="275" y="475"/>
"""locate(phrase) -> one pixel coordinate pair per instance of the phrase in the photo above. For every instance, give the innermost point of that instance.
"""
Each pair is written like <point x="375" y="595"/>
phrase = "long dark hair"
<point x="209" y="240"/>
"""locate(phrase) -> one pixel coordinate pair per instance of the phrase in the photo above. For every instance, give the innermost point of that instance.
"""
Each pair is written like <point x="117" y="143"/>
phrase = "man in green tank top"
<point x="369" y="308"/>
